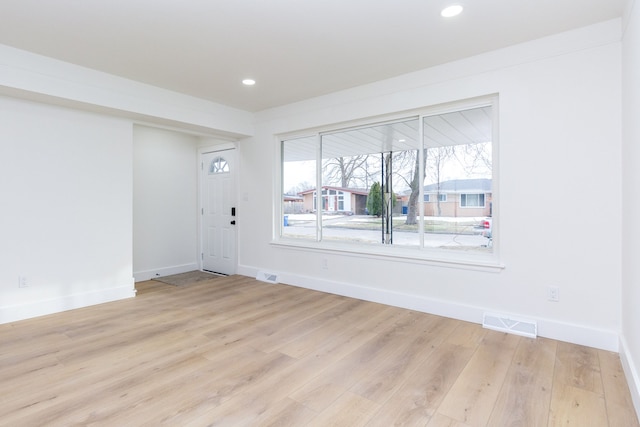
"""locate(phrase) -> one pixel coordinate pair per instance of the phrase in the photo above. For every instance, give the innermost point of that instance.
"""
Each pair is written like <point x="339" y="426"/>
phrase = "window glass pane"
<point x="458" y="173"/>
<point x="298" y="187"/>
<point x="218" y="165"/>
<point x="472" y="200"/>
<point x="368" y="190"/>
<point x="372" y="167"/>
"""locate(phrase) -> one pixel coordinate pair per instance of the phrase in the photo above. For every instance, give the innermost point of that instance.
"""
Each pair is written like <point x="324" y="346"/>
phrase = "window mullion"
<point x="319" y="188"/>
<point x="421" y="174"/>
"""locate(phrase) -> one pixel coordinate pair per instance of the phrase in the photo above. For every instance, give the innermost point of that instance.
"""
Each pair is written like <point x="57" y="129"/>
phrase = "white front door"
<point x="218" y="212"/>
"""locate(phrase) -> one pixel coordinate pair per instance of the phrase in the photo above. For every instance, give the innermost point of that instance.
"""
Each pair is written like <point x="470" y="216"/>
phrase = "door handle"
<point x="233" y="222"/>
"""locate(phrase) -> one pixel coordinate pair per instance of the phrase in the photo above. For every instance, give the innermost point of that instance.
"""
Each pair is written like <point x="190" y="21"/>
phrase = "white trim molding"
<point x="32" y="309"/>
<point x="548" y="328"/>
<point x="39" y="78"/>
<point x="631" y="373"/>
<point x="141" y="276"/>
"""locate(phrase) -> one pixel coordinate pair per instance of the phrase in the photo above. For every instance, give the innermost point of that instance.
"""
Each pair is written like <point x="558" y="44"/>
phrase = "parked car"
<point x="487" y="225"/>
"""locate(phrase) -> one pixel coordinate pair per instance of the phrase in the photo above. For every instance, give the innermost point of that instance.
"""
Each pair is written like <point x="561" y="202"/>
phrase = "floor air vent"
<point x="504" y="323"/>
<point x="265" y="276"/>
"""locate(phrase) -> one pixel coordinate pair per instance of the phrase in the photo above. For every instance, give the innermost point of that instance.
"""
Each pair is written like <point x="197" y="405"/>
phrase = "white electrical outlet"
<point x="553" y="293"/>
<point x="325" y="264"/>
<point x="22" y="282"/>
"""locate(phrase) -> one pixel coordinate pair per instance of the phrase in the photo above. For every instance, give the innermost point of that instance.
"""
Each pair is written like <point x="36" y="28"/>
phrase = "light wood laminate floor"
<point x="238" y="352"/>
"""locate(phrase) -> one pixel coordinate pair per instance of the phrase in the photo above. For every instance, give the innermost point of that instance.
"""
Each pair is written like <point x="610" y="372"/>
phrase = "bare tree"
<point x="475" y="158"/>
<point x="407" y="170"/>
<point x="346" y="171"/>
<point x="299" y="188"/>
<point x="438" y="156"/>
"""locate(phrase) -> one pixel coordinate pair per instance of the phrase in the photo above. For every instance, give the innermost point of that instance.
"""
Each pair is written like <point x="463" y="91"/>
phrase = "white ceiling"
<point x="295" y="49"/>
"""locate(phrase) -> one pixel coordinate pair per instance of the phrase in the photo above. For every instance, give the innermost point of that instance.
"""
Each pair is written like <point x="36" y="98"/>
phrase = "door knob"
<point x="233" y="222"/>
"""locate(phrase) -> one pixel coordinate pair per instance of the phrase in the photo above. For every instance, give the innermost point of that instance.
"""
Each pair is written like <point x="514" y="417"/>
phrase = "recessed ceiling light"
<point x="248" y="82"/>
<point x="451" y="11"/>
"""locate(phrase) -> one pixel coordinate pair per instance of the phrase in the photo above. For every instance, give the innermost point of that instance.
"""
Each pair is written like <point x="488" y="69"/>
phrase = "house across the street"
<point x="337" y="199"/>
<point x="457" y="198"/>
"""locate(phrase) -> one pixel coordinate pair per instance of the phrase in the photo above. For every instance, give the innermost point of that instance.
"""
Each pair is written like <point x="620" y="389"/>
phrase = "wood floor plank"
<point x="348" y="410"/>
<point x="313" y="319"/>
<point x="92" y="402"/>
<point x="573" y="406"/>
<point x="468" y="335"/>
<point x="67" y="394"/>
<point x="422" y="393"/>
<point x="391" y="374"/>
<point x="381" y="320"/>
<point x="440" y="420"/>
<point x="252" y="404"/>
<point x="578" y="393"/>
<point x="308" y="343"/>
<point x="616" y="391"/>
<point x="285" y="413"/>
<point x="526" y="394"/>
<point x="578" y="366"/>
<point x="328" y="362"/>
<point x="361" y="363"/>
<point x="211" y="396"/>
<point x="235" y="351"/>
<point x="474" y="394"/>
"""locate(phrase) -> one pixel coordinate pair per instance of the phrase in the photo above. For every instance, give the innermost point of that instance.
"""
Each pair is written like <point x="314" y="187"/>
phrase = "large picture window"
<point x="424" y="181"/>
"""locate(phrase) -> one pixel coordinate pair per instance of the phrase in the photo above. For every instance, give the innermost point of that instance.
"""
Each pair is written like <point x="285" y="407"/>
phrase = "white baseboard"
<point x="141" y="276"/>
<point x="576" y="334"/>
<point x="631" y="373"/>
<point x="64" y="303"/>
<point x="579" y="334"/>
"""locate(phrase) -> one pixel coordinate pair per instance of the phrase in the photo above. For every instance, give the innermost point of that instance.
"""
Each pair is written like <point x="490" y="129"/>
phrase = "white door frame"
<point x="201" y="152"/>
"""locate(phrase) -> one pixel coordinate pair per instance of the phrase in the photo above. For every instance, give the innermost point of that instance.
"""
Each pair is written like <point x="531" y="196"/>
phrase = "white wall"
<point x="559" y="180"/>
<point x="164" y="202"/>
<point x="630" y="348"/>
<point x="47" y="251"/>
<point x="65" y="216"/>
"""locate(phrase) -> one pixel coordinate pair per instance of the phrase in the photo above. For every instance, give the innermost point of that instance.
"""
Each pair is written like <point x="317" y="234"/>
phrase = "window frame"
<point x="430" y="256"/>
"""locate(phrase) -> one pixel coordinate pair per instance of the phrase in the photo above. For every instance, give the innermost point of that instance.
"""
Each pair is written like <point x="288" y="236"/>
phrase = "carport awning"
<point x="455" y="128"/>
